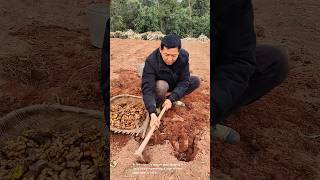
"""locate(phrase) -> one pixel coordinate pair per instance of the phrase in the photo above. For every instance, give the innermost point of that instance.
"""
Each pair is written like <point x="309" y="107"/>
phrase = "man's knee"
<point x="161" y="87"/>
<point x="195" y="81"/>
<point x="194" y="84"/>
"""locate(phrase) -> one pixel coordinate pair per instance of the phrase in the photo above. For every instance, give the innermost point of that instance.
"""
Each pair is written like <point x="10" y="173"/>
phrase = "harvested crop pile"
<point x="45" y="154"/>
<point x="127" y="115"/>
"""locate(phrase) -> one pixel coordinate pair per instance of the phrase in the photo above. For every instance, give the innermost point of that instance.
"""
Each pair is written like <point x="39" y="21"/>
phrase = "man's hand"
<point x="167" y="104"/>
<point x="155" y="122"/>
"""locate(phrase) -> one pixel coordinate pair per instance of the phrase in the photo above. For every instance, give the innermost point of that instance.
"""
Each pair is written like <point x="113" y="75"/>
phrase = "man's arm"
<point x="184" y="79"/>
<point x="148" y="87"/>
<point x="235" y="54"/>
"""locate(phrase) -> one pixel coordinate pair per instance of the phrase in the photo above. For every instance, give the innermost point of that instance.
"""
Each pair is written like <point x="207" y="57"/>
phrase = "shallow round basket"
<point x="55" y="117"/>
<point x="126" y="98"/>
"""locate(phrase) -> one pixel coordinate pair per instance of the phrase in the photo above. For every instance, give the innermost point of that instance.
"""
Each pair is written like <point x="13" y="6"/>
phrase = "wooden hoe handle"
<point x="147" y="138"/>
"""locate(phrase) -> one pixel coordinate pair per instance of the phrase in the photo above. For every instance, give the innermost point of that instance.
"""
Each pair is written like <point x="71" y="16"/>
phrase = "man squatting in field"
<point x="242" y="71"/>
<point x="166" y="77"/>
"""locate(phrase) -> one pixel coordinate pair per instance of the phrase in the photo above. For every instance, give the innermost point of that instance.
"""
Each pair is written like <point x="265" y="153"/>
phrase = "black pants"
<point x="272" y="69"/>
<point x="162" y="88"/>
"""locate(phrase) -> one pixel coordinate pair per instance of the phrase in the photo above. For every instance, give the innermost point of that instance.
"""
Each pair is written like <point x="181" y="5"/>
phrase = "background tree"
<point x="148" y="3"/>
<point x="183" y="17"/>
<point x="200" y="7"/>
<point x="131" y="12"/>
<point x="116" y="23"/>
<point x="147" y="20"/>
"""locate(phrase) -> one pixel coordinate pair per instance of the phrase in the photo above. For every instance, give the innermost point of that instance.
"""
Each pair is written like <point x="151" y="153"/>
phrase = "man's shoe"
<point x="140" y="69"/>
<point x="226" y="134"/>
<point x="179" y="104"/>
<point x="176" y="104"/>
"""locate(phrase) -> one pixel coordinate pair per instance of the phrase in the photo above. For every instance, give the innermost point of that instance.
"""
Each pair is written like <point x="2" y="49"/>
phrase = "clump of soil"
<point x="43" y="154"/>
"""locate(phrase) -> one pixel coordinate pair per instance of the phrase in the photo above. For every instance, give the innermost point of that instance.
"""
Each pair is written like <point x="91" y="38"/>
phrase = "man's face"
<point x="169" y="56"/>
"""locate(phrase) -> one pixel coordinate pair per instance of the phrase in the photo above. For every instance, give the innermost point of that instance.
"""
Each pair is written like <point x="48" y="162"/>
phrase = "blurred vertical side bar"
<point x="212" y="108"/>
<point x="105" y="89"/>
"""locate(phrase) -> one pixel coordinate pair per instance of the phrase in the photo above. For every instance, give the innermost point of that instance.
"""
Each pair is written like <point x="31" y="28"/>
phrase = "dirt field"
<point x="46" y="56"/>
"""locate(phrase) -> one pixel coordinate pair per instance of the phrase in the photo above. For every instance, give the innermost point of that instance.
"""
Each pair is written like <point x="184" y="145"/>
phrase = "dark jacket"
<point x="176" y="75"/>
<point x="234" y="54"/>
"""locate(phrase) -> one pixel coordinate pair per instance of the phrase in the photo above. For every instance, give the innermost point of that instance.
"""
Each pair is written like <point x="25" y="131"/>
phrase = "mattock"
<point x="138" y="152"/>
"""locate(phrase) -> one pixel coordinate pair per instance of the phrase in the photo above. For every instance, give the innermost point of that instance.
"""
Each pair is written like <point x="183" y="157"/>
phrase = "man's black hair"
<point x="171" y="41"/>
